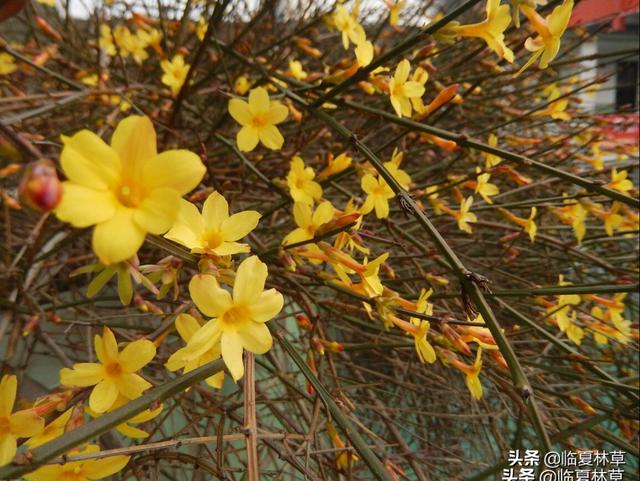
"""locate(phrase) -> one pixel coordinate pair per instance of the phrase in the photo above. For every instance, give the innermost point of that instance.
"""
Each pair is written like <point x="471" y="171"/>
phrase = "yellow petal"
<point x="8" y="388"/>
<point x="8" y="447"/>
<point x="103" y="396"/>
<point x="231" y="344"/>
<point x="82" y="206"/>
<point x="231" y="248"/>
<point x="137" y="355"/>
<point x="131" y="385"/>
<point x="323" y="214"/>
<point x="247" y="138"/>
<point x="188" y="227"/>
<point x="109" y="346"/>
<point x="186" y="326"/>
<point x="255" y="337"/>
<point x="158" y="211"/>
<point x="249" y="282"/>
<point x="135" y="142"/>
<point x="277" y="113"/>
<point x="267" y="306"/>
<point x="45" y="473"/>
<point x="402" y="72"/>
<point x="180" y="170"/>
<point x="101" y="468"/>
<point x="368" y="183"/>
<point x="118" y="238"/>
<point x="215" y="211"/>
<point x="25" y="424"/>
<point x="239" y="110"/>
<point x="258" y="101"/>
<point x="297" y="235"/>
<point x="239" y="225"/>
<point x="302" y="214"/>
<point x="87" y="160"/>
<point x="559" y="18"/>
<point x="216" y="381"/>
<point x="131" y="431"/>
<point x="203" y="340"/>
<point x="208" y="296"/>
<point x="271" y="137"/>
<point x="83" y="374"/>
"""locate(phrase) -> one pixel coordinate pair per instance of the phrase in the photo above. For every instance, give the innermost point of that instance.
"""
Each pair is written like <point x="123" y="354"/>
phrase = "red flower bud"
<point x="40" y="187"/>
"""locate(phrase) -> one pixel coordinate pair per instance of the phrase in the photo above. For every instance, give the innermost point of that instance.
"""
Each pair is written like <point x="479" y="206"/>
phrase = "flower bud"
<point x="40" y="187"/>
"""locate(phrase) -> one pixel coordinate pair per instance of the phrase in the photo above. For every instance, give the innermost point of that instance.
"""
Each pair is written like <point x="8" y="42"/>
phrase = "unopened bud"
<point x="40" y="187"/>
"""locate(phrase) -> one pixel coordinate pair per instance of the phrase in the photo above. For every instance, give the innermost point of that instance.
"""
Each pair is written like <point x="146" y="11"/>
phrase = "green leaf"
<point x="98" y="282"/>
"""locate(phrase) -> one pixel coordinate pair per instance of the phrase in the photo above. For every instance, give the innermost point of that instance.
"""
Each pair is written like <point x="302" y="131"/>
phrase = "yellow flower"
<point x="528" y="225"/>
<point x="7" y="64"/>
<point x="472" y="376"/>
<point x="371" y="283"/>
<point x="492" y="160"/>
<point x="296" y="70"/>
<point x="491" y="30"/>
<point x="547" y="43"/>
<point x="574" y="214"/>
<point x="335" y="165"/>
<point x="238" y="320"/>
<point x="485" y="188"/>
<point x="612" y="220"/>
<point x="51" y="431"/>
<point x="619" y="181"/>
<point x="302" y="187"/>
<point x="258" y="119"/>
<point x="126" y="189"/>
<point x="345" y="458"/>
<point x="393" y="166"/>
<point x="88" y="469"/>
<point x="105" y="41"/>
<point x="175" y="73"/>
<point x="394" y="11"/>
<point x="114" y="373"/>
<point x="187" y="326"/>
<point x="402" y="90"/>
<point x="464" y="216"/>
<point x="90" y="80"/>
<point x="556" y="109"/>
<point x="378" y="195"/>
<point x="364" y="53"/>
<point x="242" y="85"/>
<point x="21" y="424"/>
<point x="48" y="3"/>
<point x="308" y="222"/>
<point x="213" y="231"/>
<point x="201" y="28"/>
<point x="347" y="24"/>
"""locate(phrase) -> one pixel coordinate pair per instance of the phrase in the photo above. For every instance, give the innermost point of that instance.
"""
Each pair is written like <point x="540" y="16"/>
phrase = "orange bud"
<point x="40" y="187"/>
<point x="304" y="322"/>
<point x="31" y="324"/>
<point x="48" y="29"/>
<point x="10" y="170"/>
<point x="445" y="96"/>
<point x="583" y="405"/>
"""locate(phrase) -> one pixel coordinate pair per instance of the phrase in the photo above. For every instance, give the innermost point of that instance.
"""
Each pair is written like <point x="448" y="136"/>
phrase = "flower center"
<point x="213" y="239"/>
<point x="113" y="369"/>
<point x="236" y="314"/>
<point x="129" y="195"/>
<point x="5" y="426"/>
<point x="259" y="120"/>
